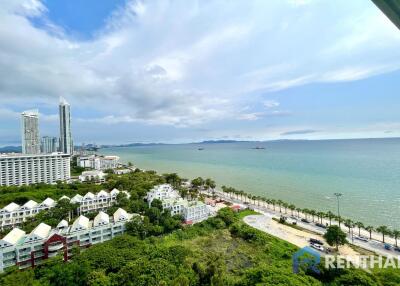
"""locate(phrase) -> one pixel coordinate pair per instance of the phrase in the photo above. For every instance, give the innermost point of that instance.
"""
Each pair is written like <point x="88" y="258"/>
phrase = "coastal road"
<point x="371" y="245"/>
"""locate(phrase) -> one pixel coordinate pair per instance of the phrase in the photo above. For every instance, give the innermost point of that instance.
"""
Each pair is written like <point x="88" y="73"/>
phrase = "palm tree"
<point x="298" y="211"/>
<point x="384" y="230"/>
<point x="285" y="205"/>
<point x="210" y="184"/>
<point x="280" y="202"/>
<point x="313" y="213"/>
<point x="320" y="215"/>
<point x="359" y="225"/>
<point x="292" y="208"/>
<point x="330" y="215"/>
<point x="369" y="229"/>
<point x="273" y="202"/>
<point x="396" y="235"/>
<point x="349" y="223"/>
<point x="306" y="212"/>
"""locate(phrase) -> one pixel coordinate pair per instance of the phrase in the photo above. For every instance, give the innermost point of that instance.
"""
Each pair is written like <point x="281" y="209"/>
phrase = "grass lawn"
<point x="247" y="212"/>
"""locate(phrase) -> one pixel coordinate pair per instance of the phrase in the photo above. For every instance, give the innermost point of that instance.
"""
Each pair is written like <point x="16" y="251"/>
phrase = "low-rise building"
<point x="122" y="171"/>
<point x="191" y="211"/>
<point x="95" y="175"/>
<point x="95" y="202"/>
<point x="14" y="214"/>
<point x="98" y="162"/>
<point x="162" y="192"/>
<point x="26" y="250"/>
<point x="196" y="211"/>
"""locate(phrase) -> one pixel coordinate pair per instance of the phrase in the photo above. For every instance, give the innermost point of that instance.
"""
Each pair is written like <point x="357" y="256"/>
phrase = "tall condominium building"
<point x="25" y="169"/>
<point x="49" y="144"/>
<point x="66" y="145"/>
<point x="30" y="132"/>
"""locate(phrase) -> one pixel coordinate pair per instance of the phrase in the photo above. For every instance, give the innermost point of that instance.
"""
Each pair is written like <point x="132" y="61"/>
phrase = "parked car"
<point x="320" y="225"/>
<point x="316" y="241"/>
<point x="388" y="246"/>
<point x="317" y="246"/>
<point x="397" y="249"/>
<point x="362" y="238"/>
<point x="304" y="220"/>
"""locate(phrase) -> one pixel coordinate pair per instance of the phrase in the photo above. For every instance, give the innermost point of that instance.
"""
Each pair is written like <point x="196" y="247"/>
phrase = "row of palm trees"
<point x="316" y="216"/>
<point x="199" y="183"/>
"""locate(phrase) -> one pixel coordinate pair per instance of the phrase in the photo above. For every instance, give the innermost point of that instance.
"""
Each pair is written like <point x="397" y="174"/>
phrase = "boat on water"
<point x="200" y="149"/>
<point x="258" y="148"/>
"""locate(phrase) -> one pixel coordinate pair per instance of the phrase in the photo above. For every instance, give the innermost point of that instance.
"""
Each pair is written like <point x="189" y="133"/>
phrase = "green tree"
<point x="359" y="225"/>
<point x="396" y="235"/>
<point x="173" y="179"/>
<point x="227" y="215"/>
<point x="369" y="229"/>
<point x="384" y="230"/>
<point x="335" y="236"/>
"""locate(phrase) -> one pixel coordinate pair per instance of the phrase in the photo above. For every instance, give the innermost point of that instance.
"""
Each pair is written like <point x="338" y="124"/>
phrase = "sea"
<point x="306" y="173"/>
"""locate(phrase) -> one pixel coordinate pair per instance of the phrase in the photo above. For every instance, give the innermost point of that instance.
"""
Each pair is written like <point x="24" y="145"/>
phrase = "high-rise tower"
<point x="66" y="145"/>
<point x="30" y="132"/>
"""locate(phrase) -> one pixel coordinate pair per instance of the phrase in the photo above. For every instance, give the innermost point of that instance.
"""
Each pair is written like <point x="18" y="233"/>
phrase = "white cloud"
<point x="270" y="104"/>
<point x="185" y="63"/>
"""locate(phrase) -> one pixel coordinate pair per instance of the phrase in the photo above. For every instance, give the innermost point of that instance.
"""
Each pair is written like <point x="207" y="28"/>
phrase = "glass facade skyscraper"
<point x="66" y="144"/>
<point x="30" y="132"/>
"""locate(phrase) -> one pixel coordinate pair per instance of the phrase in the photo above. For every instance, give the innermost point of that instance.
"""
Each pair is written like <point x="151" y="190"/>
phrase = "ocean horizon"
<point x="304" y="172"/>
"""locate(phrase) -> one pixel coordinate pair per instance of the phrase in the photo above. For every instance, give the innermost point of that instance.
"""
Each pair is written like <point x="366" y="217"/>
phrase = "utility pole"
<point x="338" y="195"/>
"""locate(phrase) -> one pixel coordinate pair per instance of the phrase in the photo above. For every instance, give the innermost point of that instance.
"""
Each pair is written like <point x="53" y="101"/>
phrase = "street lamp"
<point x="338" y="195"/>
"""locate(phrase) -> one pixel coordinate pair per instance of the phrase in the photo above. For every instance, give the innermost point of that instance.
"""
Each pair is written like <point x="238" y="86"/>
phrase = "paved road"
<point x="372" y="245"/>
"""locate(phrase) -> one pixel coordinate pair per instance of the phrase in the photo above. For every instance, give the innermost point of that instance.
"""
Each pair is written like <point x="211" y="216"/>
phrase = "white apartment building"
<point x="98" y="162"/>
<point x="175" y="205"/>
<point x="162" y="192"/>
<point x="196" y="211"/>
<point x="95" y="202"/>
<point x="26" y="250"/>
<point x="95" y="175"/>
<point x="191" y="211"/>
<point x="26" y="169"/>
<point x="14" y="214"/>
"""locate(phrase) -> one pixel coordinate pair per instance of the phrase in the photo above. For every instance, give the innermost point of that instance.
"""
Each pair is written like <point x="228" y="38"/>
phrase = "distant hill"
<point x="131" y="145"/>
<point x="221" y="141"/>
<point x="11" y="149"/>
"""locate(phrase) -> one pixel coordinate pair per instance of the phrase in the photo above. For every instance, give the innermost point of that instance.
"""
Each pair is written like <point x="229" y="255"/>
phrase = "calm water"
<point x="305" y="173"/>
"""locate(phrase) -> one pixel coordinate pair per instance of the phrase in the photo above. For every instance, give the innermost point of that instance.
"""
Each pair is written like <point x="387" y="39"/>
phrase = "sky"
<point x="184" y="71"/>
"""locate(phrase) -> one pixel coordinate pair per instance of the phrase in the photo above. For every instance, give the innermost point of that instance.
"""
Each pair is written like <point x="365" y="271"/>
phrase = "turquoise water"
<point x="305" y="173"/>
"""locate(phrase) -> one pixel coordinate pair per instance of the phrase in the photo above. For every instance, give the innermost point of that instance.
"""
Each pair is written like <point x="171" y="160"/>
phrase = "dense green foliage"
<point x="219" y="251"/>
<point x="335" y="236"/>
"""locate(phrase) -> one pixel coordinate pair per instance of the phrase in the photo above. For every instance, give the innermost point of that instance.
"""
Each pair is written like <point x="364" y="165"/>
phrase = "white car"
<point x="362" y="238"/>
<point x="317" y="246"/>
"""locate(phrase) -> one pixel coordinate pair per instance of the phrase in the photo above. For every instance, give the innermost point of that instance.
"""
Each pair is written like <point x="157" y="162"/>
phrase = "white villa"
<point x="14" y="214"/>
<point x="95" y="175"/>
<point x="26" y="250"/>
<point x="162" y="192"/>
<point x="192" y="211"/>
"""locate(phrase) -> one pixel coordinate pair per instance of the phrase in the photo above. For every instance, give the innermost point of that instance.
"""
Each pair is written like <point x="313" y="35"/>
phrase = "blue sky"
<point x="181" y="71"/>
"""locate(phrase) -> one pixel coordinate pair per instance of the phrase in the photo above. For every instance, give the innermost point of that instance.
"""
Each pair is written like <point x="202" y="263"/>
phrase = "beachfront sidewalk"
<point x="374" y="244"/>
